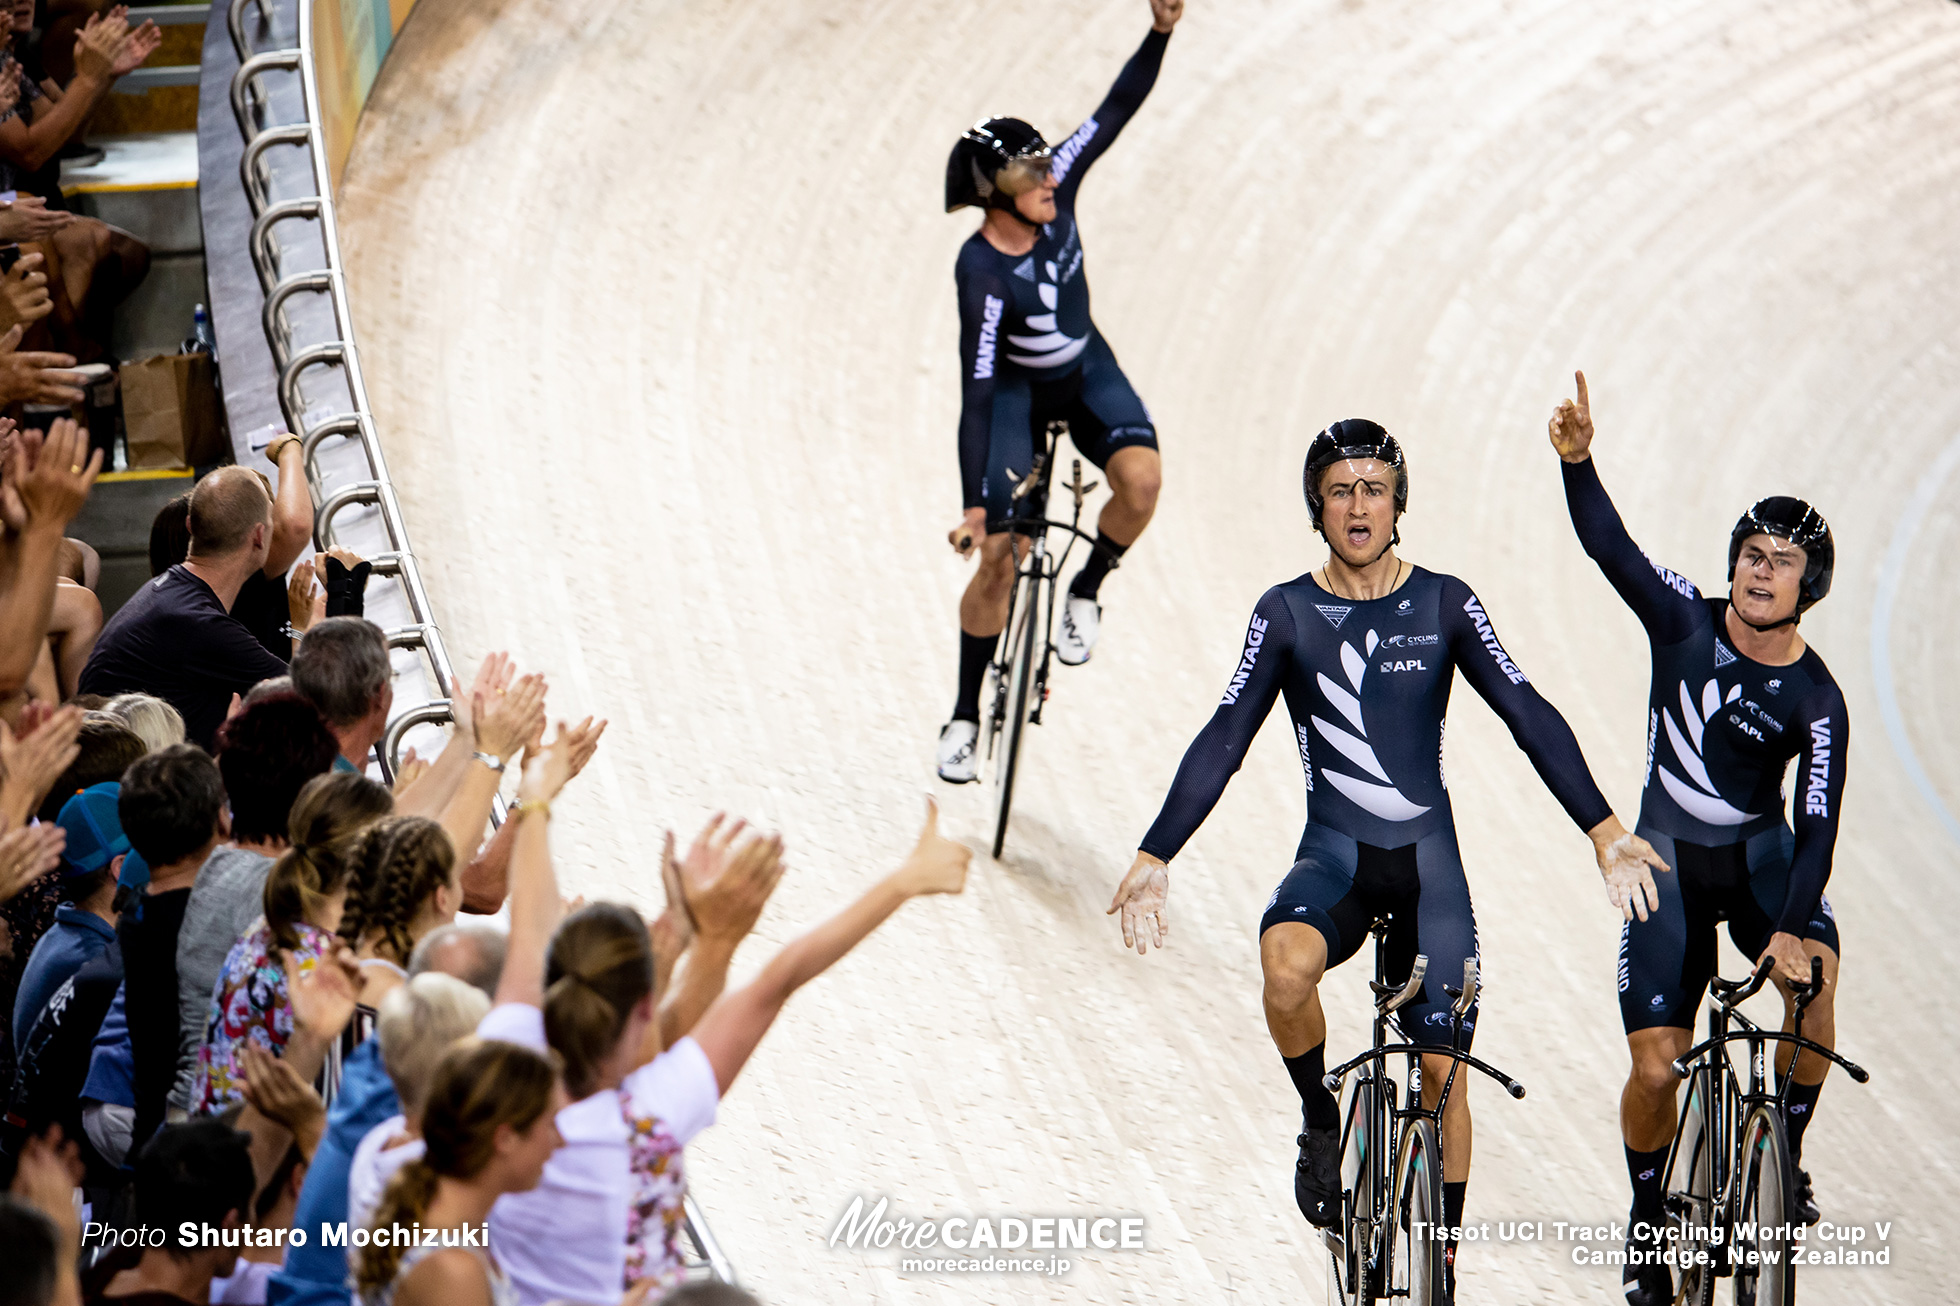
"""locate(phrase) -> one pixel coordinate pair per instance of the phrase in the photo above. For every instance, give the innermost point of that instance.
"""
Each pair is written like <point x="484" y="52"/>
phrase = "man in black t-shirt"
<point x="176" y="637"/>
<point x="173" y="810"/>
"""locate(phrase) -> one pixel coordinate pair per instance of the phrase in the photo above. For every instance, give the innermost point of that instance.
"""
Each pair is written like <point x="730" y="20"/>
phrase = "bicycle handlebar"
<point x="1733" y="993"/>
<point x="1332" y="1079"/>
<point x="1682" y="1067"/>
<point x="1388" y="998"/>
<point x="1468" y="997"/>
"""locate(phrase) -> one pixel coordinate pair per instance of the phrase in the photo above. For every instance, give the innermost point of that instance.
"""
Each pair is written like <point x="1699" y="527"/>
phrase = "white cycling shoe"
<point x="1081" y="618"/>
<point x="957" y="764"/>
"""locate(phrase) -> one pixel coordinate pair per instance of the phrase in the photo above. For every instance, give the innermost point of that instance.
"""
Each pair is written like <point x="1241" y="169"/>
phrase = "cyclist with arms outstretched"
<point x="1030" y="355"/>
<point x="1736" y="694"/>
<point x="1365" y="649"/>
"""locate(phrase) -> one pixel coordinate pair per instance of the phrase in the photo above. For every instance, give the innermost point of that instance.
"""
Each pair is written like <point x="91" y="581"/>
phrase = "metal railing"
<point x="332" y="495"/>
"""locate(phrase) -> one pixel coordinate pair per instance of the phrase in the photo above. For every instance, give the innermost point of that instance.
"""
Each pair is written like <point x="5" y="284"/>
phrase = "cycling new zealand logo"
<point x="1381" y="799"/>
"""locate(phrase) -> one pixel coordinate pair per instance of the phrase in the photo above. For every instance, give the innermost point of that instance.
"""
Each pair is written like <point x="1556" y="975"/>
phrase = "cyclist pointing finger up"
<point x="1736" y="694"/>
<point x="1029" y="355"/>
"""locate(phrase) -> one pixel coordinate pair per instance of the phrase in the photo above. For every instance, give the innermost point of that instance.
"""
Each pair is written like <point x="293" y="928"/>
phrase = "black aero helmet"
<point x="1796" y="521"/>
<point x="1353" y="437"/>
<point x="973" y="170"/>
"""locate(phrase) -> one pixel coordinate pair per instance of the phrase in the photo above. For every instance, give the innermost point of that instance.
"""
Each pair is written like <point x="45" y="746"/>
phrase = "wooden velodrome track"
<point x="658" y="315"/>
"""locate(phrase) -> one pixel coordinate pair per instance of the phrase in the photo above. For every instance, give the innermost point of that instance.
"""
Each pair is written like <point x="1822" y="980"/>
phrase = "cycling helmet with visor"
<point x="1354" y="438"/>
<point x="993" y="162"/>
<point x="1785" y="518"/>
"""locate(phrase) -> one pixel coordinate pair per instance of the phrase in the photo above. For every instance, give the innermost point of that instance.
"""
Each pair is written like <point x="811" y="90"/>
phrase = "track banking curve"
<point x="661" y="336"/>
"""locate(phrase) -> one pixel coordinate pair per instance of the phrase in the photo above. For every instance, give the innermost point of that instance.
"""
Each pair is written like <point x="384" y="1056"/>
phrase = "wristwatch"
<point x="490" y="760"/>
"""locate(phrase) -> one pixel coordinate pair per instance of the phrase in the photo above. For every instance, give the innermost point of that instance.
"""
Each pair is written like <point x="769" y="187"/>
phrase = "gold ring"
<point x="74" y="469"/>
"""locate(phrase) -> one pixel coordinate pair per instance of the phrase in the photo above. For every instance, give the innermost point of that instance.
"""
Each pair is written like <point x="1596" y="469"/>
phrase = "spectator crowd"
<point x="248" y="989"/>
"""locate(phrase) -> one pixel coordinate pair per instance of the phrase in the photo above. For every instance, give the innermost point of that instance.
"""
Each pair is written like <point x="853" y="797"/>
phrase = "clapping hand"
<point x="27" y="217"/>
<point x="36" y="378"/>
<point x="491" y="679"/>
<point x="322" y="995"/>
<point x="54" y="477"/>
<point x="502" y="722"/>
<point x="24" y="289"/>
<point x="32" y="762"/>
<point x="278" y="1093"/>
<point x="28" y="853"/>
<point x="725" y="883"/>
<point x="1572" y="426"/>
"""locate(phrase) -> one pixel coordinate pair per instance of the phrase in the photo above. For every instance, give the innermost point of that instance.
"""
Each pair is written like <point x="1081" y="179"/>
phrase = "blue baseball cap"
<point x="95" y="833"/>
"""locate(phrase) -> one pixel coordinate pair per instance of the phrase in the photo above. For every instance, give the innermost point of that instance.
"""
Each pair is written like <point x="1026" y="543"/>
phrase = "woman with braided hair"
<point x="646" y="1069"/>
<point x="401" y="884"/>
<point x="304" y="897"/>
<point x="488" y="1128"/>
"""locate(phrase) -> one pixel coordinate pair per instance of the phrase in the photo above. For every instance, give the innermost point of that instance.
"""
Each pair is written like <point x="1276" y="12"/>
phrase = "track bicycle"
<point x="1020" y="670"/>
<point x="1730" y="1181"/>
<point x="1386" y="1243"/>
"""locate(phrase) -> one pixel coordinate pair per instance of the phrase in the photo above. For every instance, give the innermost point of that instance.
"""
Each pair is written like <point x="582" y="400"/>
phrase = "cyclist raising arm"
<point x="1029" y="355"/>
<point x="1736" y="694"/>
<point x="1365" y="650"/>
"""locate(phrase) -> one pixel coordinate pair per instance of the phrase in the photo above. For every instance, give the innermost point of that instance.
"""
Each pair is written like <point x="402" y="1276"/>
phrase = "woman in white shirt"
<point x="416" y="1025"/>
<point x="608" y="1210"/>
<point x="487" y="1129"/>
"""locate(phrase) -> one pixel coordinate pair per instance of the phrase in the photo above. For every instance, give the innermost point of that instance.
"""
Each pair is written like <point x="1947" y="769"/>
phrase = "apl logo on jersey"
<point x="1334" y="613"/>
<point x="1699" y="800"/>
<point x="1383" y="799"/>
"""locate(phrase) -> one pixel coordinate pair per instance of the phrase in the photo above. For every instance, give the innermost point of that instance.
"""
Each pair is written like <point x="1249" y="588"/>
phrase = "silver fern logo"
<point x="1055" y="347"/>
<point x="1384" y="799"/>
<point x="1699" y="799"/>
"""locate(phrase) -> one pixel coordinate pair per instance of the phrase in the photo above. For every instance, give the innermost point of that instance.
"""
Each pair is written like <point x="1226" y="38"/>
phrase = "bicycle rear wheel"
<point x="1415" y="1259"/>
<point x="1690" y="1201"/>
<point x="1023" y="633"/>
<point x="1763" y="1273"/>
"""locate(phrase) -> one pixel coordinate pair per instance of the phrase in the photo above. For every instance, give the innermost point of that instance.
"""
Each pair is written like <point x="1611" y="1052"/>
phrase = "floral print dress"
<point x="249" y="1003"/>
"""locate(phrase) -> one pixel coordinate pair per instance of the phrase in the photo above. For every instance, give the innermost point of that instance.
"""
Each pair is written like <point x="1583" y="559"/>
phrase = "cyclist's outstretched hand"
<point x="1165" y="13"/>
<point x="1627" y="862"/>
<point x="1141" y="898"/>
<point x="1571" y="425"/>
<point x="969" y="534"/>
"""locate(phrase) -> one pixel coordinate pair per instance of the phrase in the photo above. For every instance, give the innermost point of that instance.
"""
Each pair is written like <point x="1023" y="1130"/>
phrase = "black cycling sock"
<point x="1323" y="1112"/>
<point x="1090" y="578"/>
<point x="1649" y="1184"/>
<point x="1798" y="1107"/>
<point x="976" y="651"/>
<point x="1453" y="1208"/>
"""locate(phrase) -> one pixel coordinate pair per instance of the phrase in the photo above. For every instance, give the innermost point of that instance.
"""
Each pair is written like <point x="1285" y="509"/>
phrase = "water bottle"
<point x="202" y="338"/>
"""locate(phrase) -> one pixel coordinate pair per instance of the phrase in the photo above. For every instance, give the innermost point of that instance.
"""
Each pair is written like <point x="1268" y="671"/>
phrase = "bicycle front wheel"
<point x="1355" y="1255"/>
<point x="1023" y="633"/>
<point x="1415" y="1259"/>
<point x="1690" y="1201"/>
<point x="1763" y="1273"/>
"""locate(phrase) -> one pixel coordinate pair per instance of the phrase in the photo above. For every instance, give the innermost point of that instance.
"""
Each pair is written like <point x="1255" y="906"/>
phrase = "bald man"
<point x="176" y="637"/>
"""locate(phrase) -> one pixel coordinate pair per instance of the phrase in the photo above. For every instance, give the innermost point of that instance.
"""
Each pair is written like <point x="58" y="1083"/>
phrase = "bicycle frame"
<point x="1393" y="1120"/>
<point x="1035" y="568"/>
<point x="1726" y="1111"/>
